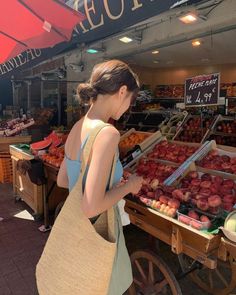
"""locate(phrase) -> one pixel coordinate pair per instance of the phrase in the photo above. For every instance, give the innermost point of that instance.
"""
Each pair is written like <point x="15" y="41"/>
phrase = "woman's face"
<point x="123" y="101"/>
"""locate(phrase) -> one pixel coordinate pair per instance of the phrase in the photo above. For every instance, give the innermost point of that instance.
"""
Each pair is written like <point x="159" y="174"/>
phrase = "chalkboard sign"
<point x="202" y="90"/>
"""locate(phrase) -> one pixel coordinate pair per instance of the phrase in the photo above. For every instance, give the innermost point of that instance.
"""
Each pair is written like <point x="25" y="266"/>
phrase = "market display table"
<point x="41" y="198"/>
<point x="203" y="256"/>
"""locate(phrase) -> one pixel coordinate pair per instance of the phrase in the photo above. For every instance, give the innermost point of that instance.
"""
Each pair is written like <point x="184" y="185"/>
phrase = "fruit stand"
<point x="45" y="196"/>
<point x="202" y="249"/>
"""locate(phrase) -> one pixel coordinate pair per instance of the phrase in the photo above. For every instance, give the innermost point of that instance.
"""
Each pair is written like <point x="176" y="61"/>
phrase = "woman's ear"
<point x="123" y="91"/>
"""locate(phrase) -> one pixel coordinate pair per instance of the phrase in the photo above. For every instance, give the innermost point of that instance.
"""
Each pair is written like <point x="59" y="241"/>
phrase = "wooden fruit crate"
<point x="157" y="141"/>
<point x="183" y="128"/>
<point x="19" y="153"/>
<point x="171" y="127"/>
<point x="6" y="175"/>
<point x="149" y="139"/>
<point x="222" y="138"/>
<point x="5" y="142"/>
<point x="222" y="150"/>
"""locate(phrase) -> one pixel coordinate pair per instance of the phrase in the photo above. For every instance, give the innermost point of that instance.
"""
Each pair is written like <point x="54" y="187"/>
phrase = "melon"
<point x="40" y="145"/>
<point x="230" y="222"/>
<point x="56" y="142"/>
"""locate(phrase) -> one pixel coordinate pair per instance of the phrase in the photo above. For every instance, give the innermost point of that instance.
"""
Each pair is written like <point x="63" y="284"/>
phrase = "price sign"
<point x="202" y="90"/>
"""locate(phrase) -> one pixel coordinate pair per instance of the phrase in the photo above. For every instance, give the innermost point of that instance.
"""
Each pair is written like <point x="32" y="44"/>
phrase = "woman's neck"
<point x="99" y="111"/>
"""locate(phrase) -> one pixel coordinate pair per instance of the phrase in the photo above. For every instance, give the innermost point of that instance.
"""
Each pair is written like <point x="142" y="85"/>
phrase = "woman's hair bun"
<point x="86" y="92"/>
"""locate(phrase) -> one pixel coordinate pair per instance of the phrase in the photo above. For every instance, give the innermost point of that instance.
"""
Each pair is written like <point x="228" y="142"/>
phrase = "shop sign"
<point x="104" y="18"/>
<point x="107" y="17"/>
<point x="202" y="90"/>
<point x="28" y="58"/>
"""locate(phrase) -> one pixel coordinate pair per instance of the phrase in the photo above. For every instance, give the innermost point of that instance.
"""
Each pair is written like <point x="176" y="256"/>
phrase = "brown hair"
<point x="107" y="78"/>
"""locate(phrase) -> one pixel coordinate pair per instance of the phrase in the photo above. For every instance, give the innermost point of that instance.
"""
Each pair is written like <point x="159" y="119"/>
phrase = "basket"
<point x="6" y="174"/>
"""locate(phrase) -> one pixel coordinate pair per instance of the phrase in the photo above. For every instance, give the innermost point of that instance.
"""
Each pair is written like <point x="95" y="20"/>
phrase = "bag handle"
<point x="87" y="151"/>
<point x="85" y="157"/>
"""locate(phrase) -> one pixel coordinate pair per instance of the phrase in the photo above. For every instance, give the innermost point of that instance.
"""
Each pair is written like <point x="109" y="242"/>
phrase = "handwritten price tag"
<point x="202" y="90"/>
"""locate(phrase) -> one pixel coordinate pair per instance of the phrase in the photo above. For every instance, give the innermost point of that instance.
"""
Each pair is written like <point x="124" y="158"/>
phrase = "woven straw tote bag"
<point x="78" y="256"/>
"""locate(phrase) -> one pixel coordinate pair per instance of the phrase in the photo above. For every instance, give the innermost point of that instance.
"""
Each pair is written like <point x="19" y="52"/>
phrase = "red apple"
<point x="163" y="199"/>
<point x="214" y="201"/>
<point x="193" y="215"/>
<point x="202" y="204"/>
<point x="174" y="203"/>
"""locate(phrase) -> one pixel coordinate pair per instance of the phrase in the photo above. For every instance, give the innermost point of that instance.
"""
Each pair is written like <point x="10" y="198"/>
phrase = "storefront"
<point x="182" y="143"/>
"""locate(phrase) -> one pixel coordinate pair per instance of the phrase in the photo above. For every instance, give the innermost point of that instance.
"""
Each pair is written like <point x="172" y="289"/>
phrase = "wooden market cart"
<point x="202" y="255"/>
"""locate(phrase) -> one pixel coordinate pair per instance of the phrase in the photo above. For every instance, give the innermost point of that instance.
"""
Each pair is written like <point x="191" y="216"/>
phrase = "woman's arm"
<point x="96" y="200"/>
<point x="62" y="177"/>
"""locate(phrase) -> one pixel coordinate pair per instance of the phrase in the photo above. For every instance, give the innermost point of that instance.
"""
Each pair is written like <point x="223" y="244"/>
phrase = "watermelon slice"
<point x="40" y="145"/>
<point x="52" y="136"/>
<point x="56" y="142"/>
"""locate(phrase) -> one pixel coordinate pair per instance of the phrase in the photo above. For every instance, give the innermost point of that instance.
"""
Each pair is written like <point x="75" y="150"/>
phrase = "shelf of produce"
<point x="182" y="238"/>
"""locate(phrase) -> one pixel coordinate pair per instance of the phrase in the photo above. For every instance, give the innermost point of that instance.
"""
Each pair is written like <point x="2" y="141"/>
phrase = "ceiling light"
<point x="92" y="51"/>
<point x="196" y="43"/>
<point x="188" y="18"/>
<point x="156" y="61"/>
<point x="155" y="52"/>
<point x="126" y="39"/>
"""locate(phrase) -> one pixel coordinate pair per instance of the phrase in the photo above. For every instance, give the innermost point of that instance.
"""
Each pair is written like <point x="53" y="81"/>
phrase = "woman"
<point x="111" y="89"/>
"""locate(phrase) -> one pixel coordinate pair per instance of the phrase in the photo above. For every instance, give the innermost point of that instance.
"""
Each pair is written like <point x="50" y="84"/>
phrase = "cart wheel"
<point x="152" y="275"/>
<point x="219" y="281"/>
<point x="58" y="209"/>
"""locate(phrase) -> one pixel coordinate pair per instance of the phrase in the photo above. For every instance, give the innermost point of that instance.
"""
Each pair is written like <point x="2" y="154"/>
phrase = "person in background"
<point x="111" y="89"/>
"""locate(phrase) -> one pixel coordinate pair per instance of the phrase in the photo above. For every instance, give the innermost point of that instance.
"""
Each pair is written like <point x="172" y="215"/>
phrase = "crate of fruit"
<point x="134" y="138"/>
<point x="194" y="129"/>
<point x="6" y="174"/>
<point x="209" y="192"/>
<point x="154" y="173"/>
<point x="223" y="131"/>
<point x="170" y="127"/>
<point x="218" y="159"/>
<point x="173" y="152"/>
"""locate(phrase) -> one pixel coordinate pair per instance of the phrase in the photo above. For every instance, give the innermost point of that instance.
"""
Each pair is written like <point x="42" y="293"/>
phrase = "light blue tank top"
<point x="73" y="168"/>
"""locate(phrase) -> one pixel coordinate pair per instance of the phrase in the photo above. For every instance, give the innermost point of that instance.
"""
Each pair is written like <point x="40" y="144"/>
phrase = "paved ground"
<point x="21" y="245"/>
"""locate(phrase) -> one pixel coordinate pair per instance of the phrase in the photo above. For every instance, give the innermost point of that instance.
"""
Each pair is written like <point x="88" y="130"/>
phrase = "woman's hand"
<point x="134" y="183"/>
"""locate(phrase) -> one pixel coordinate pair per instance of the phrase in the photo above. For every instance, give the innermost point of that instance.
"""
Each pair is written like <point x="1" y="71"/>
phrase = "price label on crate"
<point x="202" y="90"/>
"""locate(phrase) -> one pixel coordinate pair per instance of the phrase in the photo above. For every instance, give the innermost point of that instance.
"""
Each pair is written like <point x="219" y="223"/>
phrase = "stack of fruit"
<point x="130" y="141"/>
<point x="194" y="129"/>
<point x="195" y="219"/>
<point x="213" y="160"/>
<point x="153" y="172"/>
<point x="226" y="126"/>
<point x="54" y="156"/>
<point x="206" y="192"/>
<point x="224" y="132"/>
<point x="171" y="151"/>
